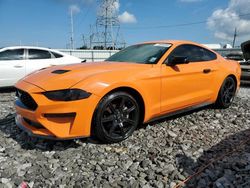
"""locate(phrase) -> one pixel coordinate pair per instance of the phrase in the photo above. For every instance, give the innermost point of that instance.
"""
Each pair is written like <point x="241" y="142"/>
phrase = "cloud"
<point x="74" y="8"/>
<point x="190" y="1"/>
<point x="127" y="17"/>
<point x="224" y="21"/>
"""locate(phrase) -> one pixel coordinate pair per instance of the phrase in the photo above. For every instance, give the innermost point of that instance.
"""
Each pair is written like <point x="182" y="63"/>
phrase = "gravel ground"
<point x="161" y="154"/>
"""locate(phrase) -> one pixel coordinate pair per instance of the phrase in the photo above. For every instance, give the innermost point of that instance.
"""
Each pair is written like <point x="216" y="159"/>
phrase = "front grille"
<point x="26" y="99"/>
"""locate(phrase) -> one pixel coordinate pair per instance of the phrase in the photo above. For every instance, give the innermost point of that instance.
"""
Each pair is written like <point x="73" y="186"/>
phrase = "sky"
<point x="47" y="22"/>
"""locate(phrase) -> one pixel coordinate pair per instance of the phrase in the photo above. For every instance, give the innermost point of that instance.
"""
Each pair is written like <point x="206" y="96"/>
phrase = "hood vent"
<point x="60" y="71"/>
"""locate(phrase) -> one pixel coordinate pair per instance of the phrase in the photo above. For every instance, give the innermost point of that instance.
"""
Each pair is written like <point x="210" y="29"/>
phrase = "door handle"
<point x="18" y="66"/>
<point x="206" y="71"/>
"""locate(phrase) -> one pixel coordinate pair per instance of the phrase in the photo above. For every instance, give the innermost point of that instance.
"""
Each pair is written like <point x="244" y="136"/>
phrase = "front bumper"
<point x="55" y="119"/>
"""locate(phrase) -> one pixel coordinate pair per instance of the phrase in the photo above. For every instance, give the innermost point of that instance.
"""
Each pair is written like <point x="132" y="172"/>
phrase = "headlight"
<point x="67" y="95"/>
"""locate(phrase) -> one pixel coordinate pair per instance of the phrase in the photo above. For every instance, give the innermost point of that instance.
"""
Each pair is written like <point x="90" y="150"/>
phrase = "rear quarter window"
<point x="56" y="55"/>
<point x="208" y="55"/>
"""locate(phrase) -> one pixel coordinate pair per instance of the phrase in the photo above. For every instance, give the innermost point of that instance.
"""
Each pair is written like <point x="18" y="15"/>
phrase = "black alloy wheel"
<point x="227" y="93"/>
<point x="116" y="117"/>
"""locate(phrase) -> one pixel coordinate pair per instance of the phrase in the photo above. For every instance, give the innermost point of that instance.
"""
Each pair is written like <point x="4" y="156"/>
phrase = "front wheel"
<point x="226" y="93"/>
<point x="116" y="117"/>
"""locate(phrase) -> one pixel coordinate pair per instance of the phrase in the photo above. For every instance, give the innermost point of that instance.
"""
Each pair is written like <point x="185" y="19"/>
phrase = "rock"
<point x="159" y="184"/>
<point x="210" y="174"/>
<point x="172" y="134"/>
<point x="170" y="168"/>
<point x="157" y="155"/>
<point x="127" y="165"/>
<point x="202" y="183"/>
<point x="223" y="182"/>
<point x="181" y="177"/>
<point x="218" y="115"/>
<point x="172" y="184"/>
<point x="145" y="163"/>
<point x="5" y="180"/>
<point x="134" y="166"/>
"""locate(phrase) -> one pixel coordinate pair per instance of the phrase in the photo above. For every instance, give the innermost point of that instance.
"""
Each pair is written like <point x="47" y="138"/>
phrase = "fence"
<point x="90" y="55"/>
<point x="100" y="55"/>
<point x="226" y="51"/>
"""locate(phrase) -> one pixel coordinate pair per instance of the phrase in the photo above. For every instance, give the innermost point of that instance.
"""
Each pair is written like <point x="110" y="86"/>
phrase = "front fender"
<point x="150" y="97"/>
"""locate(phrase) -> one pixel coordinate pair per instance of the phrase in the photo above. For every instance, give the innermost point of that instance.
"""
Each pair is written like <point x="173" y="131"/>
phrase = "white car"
<point x="16" y="62"/>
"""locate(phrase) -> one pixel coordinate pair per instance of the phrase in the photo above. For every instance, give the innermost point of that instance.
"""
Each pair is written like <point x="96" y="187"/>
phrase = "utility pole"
<point x="72" y="30"/>
<point x="83" y="40"/>
<point x="106" y="27"/>
<point x="235" y="35"/>
<point x="90" y="36"/>
<point x="107" y="32"/>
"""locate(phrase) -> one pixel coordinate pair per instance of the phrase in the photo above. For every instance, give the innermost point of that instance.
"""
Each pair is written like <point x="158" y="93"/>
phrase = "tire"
<point x="116" y="117"/>
<point x="226" y="93"/>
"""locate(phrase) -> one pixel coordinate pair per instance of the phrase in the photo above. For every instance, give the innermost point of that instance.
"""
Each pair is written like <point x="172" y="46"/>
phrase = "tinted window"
<point x="56" y="55"/>
<point x="39" y="54"/>
<point x="208" y="55"/>
<point x="12" y="54"/>
<point x="194" y="53"/>
<point x="141" y="53"/>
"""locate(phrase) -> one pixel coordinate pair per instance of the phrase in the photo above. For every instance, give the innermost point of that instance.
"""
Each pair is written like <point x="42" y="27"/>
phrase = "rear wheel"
<point x="226" y="93"/>
<point x="116" y="117"/>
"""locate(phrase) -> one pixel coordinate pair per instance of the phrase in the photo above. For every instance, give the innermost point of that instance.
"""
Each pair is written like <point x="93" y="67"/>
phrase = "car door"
<point x="38" y="59"/>
<point x="185" y="85"/>
<point x="12" y="66"/>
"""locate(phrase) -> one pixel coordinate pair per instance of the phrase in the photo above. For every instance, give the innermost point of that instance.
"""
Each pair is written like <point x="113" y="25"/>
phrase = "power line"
<point x="174" y="25"/>
<point x="165" y="26"/>
<point x="85" y="15"/>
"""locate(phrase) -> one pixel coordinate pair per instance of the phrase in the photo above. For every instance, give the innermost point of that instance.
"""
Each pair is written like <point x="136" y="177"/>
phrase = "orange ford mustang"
<point x="136" y="85"/>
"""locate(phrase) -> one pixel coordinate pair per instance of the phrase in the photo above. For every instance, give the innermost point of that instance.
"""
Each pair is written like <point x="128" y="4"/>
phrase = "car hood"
<point x="64" y="77"/>
<point x="245" y="47"/>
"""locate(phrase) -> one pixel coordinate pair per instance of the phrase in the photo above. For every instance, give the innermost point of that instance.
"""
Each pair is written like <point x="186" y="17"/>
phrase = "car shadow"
<point x="245" y="85"/>
<point x="9" y="129"/>
<point x="7" y="89"/>
<point x="175" y="116"/>
<point x="226" y="164"/>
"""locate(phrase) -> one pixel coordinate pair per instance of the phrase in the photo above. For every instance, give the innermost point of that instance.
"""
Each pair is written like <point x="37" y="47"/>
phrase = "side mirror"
<point x="176" y="60"/>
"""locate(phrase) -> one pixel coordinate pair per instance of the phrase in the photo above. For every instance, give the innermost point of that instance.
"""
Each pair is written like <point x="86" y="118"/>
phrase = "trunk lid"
<point x="245" y="47"/>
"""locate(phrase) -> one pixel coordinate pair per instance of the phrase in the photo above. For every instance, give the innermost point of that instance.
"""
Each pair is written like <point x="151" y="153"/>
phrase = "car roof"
<point x="17" y="47"/>
<point x="174" y="42"/>
<point x="179" y="42"/>
<point x="32" y="47"/>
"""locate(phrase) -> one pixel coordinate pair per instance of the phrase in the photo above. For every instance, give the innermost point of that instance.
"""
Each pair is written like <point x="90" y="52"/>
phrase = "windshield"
<point x="141" y="53"/>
